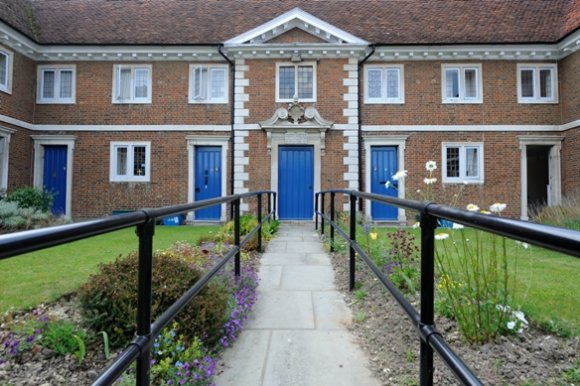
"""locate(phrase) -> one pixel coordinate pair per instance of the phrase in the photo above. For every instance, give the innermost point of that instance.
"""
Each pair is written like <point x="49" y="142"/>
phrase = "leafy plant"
<point x="31" y="197"/>
<point x="477" y="282"/>
<point x="402" y="261"/>
<point x="109" y="300"/>
<point x="14" y="217"/>
<point x="64" y="338"/>
<point x="360" y="317"/>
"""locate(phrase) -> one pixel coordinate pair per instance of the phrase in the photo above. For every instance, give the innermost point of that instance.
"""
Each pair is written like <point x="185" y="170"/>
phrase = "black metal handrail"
<point x="561" y="240"/>
<point x="140" y="348"/>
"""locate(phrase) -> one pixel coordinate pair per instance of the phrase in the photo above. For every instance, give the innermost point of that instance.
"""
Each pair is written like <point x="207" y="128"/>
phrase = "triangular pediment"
<point x="292" y="20"/>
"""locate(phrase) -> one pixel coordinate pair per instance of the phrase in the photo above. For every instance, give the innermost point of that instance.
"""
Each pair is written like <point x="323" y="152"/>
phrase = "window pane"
<point x="374" y="83"/>
<point x="392" y="83"/>
<point x="124" y="89"/>
<point x="527" y="81"/>
<point x="48" y="84"/>
<point x="306" y="82"/>
<point x="139" y="161"/>
<point x="545" y="83"/>
<point x="286" y="85"/>
<point x="218" y="83"/>
<point x="66" y="78"/>
<point x="141" y="82"/>
<point x="452" y="162"/>
<point x="470" y="83"/>
<point x="3" y="69"/>
<point x="121" y="161"/>
<point x="452" y="83"/>
<point x="472" y="162"/>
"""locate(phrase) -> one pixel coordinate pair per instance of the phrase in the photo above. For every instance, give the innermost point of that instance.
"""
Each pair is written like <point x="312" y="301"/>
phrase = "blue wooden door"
<point x="295" y="182"/>
<point x="383" y="166"/>
<point x="54" y="176"/>
<point x="208" y="180"/>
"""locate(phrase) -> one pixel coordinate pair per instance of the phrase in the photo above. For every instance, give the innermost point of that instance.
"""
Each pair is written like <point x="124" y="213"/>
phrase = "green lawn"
<point x="547" y="282"/>
<point x="45" y="275"/>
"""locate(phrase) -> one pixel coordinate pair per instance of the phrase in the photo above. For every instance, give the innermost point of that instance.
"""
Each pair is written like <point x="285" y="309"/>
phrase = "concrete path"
<point x="297" y="333"/>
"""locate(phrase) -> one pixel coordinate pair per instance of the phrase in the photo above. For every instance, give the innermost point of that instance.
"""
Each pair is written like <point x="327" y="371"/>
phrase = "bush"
<point x="109" y="298"/>
<point x="14" y="217"/>
<point x="30" y="197"/>
<point x="247" y="223"/>
<point x="64" y="338"/>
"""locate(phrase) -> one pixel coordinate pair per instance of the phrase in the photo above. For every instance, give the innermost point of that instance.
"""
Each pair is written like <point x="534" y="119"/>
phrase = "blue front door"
<point x="208" y="179"/>
<point x="295" y="182"/>
<point x="383" y="166"/>
<point x="54" y="176"/>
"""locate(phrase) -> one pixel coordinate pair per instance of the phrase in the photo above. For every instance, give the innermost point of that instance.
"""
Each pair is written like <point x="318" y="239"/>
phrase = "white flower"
<point x="418" y="190"/>
<point x="524" y="245"/>
<point x="399" y="175"/>
<point x="472" y="208"/>
<point x="520" y="315"/>
<point x="457" y="226"/>
<point x="416" y="225"/>
<point x="511" y="325"/>
<point x="387" y="184"/>
<point x="430" y="181"/>
<point x="501" y="307"/>
<point x="497" y="207"/>
<point x="465" y="182"/>
<point x="430" y="166"/>
<point x="441" y="236"/>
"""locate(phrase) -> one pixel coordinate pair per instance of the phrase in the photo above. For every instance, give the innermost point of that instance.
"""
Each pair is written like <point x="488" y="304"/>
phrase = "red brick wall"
<point x="571" y="162"/>
<point x="21" y="158"/>
<point x="423" y="100"/>
<point x="501" y="168"/>
<point x="169" y="100"/>
<point x="569" y="73"/>
<point x="94" y="195"/>
<point x="262" y="90"/>
<point x="20" y="103"/>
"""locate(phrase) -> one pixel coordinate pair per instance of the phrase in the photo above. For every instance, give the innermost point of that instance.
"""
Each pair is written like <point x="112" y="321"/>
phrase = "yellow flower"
<point x="373" y="235"/>
<point x="472" y="208"/>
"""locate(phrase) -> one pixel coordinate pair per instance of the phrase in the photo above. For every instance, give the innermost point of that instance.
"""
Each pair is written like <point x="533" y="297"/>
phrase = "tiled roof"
<point x="215" y="21"/>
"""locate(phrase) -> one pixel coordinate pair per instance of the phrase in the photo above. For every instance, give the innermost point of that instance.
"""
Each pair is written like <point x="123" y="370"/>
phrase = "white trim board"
<point x="369" y="128"/>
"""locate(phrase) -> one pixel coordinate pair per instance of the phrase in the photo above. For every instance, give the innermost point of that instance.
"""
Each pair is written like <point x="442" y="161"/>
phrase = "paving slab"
<point x="297" y="332"/>
<point x="316" y="358"/>
<point x="282" y="309"/>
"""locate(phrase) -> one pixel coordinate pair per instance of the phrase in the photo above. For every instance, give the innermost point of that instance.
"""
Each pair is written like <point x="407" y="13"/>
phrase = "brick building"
<point x="117" y="105"/>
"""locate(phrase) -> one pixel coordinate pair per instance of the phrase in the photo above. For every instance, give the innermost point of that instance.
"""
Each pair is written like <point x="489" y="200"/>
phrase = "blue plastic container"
<point x="174" y="220"/>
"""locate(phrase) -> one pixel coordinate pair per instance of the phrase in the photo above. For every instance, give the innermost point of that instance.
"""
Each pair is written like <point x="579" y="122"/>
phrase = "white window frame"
<point x="461" y="69"/>
<point x="132" y="99"/>
<point x="208" y="99"/>
<point x="40" y="99"/>
<point x="6" y="83"/>
<point x="400" y="84"/>
<point x="114" y="177"/>
<point x="4" y="157"/>
<point x="536" y="67"/>
<point x="463" y="146"/>
<point x="296" y="65"/>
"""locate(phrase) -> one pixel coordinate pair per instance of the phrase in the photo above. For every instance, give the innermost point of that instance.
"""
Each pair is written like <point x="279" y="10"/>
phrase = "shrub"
<point x="13" y="217"/>
<point x="247" y="223"/>
<point x="402" y="264"/>
<point x="109" y="298"/>
<point x="30" y="197"/>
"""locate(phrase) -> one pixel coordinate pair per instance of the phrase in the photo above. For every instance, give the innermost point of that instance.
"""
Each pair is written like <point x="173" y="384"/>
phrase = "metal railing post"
<point x="237" y="236"/>
<point x="145" y="232"/>
<point x="428" y="225"/>
<point x="260" y="222"/>
<point x="332" y="219"/>
<point x="316" y="210"/>
<point x="322" y="213"/>
<point x="353" y="238"/>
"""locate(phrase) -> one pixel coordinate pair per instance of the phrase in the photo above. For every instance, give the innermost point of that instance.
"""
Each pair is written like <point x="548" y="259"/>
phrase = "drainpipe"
<point x="232" y="106"/>
<point x="360" y="104"/>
